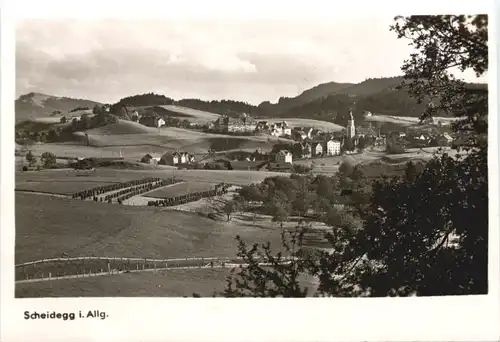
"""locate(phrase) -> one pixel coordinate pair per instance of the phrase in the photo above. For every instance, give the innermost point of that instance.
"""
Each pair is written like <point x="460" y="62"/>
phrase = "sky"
<point x="247" y="60"/>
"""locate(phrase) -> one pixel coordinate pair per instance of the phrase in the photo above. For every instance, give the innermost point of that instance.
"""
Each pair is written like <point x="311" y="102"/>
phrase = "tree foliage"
<point x="425" y="233"/>
<point x="48" y="159"/>
<point x="444" y="44"/>
<point x="30" y="158"/>
<point x="268" y="274"/>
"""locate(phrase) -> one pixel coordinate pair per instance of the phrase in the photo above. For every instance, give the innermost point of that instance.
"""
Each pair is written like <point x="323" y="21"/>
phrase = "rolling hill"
<point x="35" y="105"/>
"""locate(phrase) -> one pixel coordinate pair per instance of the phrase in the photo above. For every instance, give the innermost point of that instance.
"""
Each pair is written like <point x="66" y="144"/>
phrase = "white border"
<point x="472" y="318"/>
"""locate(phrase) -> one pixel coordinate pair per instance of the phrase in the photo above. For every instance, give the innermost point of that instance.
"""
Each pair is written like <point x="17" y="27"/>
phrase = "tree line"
<point x="219" y="189"/>
<point x="93" y="192"/>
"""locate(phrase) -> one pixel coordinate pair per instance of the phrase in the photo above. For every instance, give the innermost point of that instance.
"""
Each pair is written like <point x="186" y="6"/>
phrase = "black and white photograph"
<point x="213" y="171"/>
<point x="252" y="158"/>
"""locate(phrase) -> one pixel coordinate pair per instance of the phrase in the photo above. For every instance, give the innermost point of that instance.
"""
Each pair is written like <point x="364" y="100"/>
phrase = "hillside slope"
<point x="33" y="105"/>
<point x="312" y="94"/>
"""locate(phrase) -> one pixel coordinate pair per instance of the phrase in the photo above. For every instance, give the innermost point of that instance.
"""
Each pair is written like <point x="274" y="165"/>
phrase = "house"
<point x="332" y="147"/>
<point x="176" y="158"/>
<point x="135" y="116"/>
<point x="306" y="150"/>
<point x="448" y="137"/>
<point x="280" y="129"/>
<point x="183" y="158"/>
<point x="226" y="124"/>
<point x="151" y="158"/>
<point x="443" y="140"/>
<point x="262" y="126"/>
<point x="152" y="120"/>
<point x="365" y="132"/>
<point x="298" y="135"/>
<point x="314" y="133"/>
<point x="170" y="158"/>
<point x="317" y="149"/>
<point x="283" y="156"/>
<point x="419" y="139"/>
<point x="259" y="155"/>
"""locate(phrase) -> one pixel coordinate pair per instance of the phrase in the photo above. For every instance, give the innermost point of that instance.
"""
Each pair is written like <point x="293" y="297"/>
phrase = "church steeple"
<point x="351" y="129"/>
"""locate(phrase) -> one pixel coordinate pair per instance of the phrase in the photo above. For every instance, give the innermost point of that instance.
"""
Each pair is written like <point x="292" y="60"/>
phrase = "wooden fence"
<point x="153" y="265"/>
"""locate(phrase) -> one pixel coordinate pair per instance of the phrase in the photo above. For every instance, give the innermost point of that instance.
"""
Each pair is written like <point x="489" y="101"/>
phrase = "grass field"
<point x="408" y="120"/>
<point x="45" y="179"/>
<point x="197" y="116"/>
<point x="180" y="189"/>
<point x="134" y="140"/>
<point x="297" y="122"/>
<point x="171" y="283"/>
<point x="193" y="115"/>
<point x="60" y="187"/>
<point x="47" y="227"/>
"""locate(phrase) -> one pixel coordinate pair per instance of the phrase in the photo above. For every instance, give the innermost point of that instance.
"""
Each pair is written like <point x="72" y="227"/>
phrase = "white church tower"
<point x="351" y="129"/>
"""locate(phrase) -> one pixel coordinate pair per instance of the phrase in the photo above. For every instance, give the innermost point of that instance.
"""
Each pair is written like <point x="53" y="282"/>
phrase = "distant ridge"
<point x="34" y="105"/>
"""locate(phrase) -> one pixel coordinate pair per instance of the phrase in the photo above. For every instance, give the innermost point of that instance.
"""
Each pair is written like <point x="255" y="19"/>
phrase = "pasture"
<point x="133" y="140"/>
<point x="197" y="116"/>
<point x="193" y="115"/>
<point x="180" y="189"/>
<point x="297" y="122"/>
<point x="44" y="180"/>
<point x="47" y="227"/>
<point x="170" y="283"/>
<point x="408" y="120"/>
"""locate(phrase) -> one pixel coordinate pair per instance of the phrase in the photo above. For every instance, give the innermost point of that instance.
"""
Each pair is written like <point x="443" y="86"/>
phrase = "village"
<point x="298" y="143"/>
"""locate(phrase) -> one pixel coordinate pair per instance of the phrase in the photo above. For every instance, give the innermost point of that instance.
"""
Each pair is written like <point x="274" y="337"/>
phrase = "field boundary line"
<point x="116" y="272"/>
<point x="46" y="193"/>
<point x="220" y="259"/>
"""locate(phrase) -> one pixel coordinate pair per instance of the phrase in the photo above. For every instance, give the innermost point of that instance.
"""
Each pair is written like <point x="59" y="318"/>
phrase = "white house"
<point x="280" y="129"/>
<point x="159" y="122"/>
<point x="184" y="158"/>
<point x="332" y="147"/>
<point x="135" y="116"/>
<point x="284" y="156"/>
<point x="152" y="121"/>
<point x="317" y="149"/>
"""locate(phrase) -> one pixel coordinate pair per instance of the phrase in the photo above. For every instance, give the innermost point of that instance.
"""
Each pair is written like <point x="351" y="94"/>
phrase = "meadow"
<point x="169" y="283"/>
<point x="297" y="122"/>
<point x="132" y="141"/>
<point x="194" y="115"/>
<point x="69" y="179"/>
<point x="180" y="189"/>
<point x="408" y="120"/>
<point x="48" y="227"/>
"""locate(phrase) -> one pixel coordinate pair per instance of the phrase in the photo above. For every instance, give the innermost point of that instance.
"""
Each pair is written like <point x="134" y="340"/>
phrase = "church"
<point x="354" y="134"/>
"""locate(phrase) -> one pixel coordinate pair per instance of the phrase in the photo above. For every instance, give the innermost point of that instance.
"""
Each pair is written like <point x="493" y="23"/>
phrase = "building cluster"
<point x="169" y="158"/>
<point x="225" y="124"/>
<point x="419" y="139"/>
